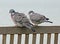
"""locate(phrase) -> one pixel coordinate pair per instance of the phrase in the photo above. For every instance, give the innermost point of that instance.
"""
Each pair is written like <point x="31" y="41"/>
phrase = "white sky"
<point x="49" y="8"/>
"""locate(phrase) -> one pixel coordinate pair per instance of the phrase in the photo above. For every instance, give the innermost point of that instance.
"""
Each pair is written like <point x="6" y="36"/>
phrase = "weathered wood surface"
<point x="18" y="30"/>
<point x="56" y="38"/>
<point x="19" y="39"/>
<point x="4" y="39"/>
<point x="12" y="39"/>
<point x="26" y="38"/>
<point x="49" y="38"/>
<point x="34" y="39"/>
<point x="41" y="38"/>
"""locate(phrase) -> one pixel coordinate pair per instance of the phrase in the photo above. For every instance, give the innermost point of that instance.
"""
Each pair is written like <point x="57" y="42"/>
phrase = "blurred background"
<point x="49" y="8"/>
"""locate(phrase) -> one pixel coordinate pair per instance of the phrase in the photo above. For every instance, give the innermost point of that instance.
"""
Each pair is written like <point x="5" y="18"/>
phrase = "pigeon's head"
<point x="31" y="12"/>
<point x="11" y="11"/>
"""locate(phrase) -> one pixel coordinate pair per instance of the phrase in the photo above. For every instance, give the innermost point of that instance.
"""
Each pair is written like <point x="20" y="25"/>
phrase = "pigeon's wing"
<point x="18" y="16"/>
<point x="38" y="18"/>
<point x="35" y="18"/>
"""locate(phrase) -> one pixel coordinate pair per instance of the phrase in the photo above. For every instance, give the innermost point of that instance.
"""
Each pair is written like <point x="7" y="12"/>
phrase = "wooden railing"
<point x="39" y="30"/>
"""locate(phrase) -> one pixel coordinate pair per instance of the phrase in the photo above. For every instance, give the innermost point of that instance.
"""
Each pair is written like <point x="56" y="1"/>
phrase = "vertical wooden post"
<point x="11" y="38"/>
<point x="19" y="38"/>
<point x="48" y="38"/>
<point x="26" y="38"/>
<point x="41" y="38"/>
<point x="34" y="38"/>
<point x="4" y="39"/>
<point x="56" y="38"/>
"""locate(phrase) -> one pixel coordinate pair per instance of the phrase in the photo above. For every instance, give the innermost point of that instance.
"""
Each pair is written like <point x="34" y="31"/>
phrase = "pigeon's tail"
<point x="48" y="21"/>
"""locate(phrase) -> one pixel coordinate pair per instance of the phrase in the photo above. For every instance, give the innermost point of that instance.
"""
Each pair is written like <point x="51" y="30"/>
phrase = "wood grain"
<point x="26" y="38"/>
<point x="12" y="39"/>
<point x="18" y="30"/>
<point x="4" y="39"/>
<point x="41" y="38"/>
<point x="19" y="38"/>
<point x="49" y="38"/>
<point x="56" y="38"/>
<point x="34" y="38"/>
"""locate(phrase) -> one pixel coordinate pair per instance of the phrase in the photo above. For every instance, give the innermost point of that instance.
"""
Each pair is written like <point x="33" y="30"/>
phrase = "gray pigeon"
<point x="37" y="18"/>
<point x="20" y="19"/>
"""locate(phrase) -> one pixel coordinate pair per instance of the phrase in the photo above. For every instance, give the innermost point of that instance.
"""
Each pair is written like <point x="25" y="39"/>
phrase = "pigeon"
<point x="37" y="18"/>
<point x="21" y="20"/>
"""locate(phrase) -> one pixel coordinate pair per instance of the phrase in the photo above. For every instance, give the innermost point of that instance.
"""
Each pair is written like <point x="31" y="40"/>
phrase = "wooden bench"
<point x="39" y="30"/>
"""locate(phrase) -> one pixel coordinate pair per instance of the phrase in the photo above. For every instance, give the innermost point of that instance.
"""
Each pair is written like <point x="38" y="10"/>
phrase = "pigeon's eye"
<point x="13" y="11"/>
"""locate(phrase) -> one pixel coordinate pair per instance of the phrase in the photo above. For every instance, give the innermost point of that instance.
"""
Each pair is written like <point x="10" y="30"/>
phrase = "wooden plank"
<point x="18" y="30"/>
<point x="19" y="38"/>
<point x="4" y="39"/>
<point x="12" y="39"/>
<point x="48" y="38"/>
<point x="56" y="38"/>
<point x="34" y="38"/>
<point x="26" y="38"/>
<point x="41" y="38"/>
